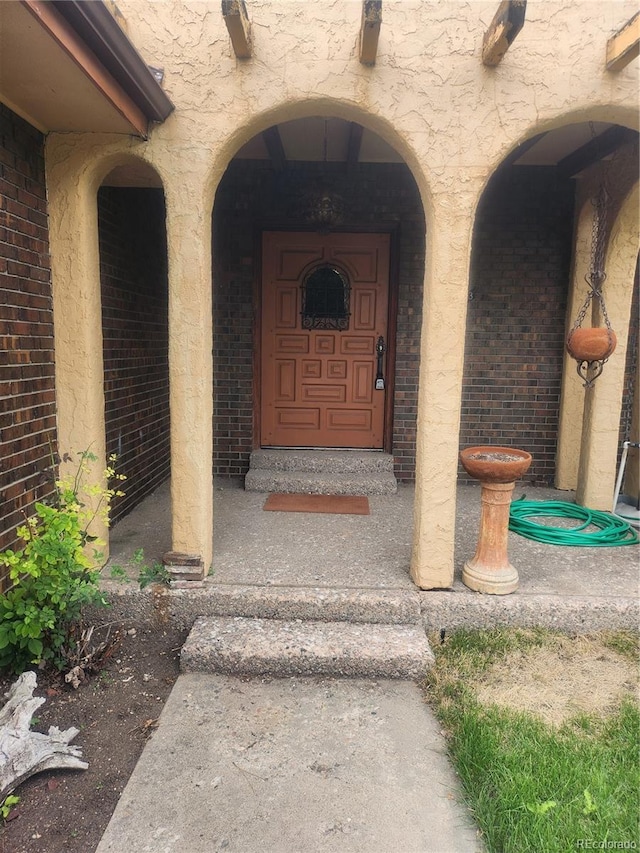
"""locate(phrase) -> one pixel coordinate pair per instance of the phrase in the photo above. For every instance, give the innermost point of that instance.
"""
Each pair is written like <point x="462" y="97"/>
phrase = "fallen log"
<point x="24" y="753"/>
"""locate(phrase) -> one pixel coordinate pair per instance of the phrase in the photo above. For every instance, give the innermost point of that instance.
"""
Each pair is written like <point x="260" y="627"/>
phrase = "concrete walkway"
<point x="301" y="764"/>
<point x="292" y="766"/>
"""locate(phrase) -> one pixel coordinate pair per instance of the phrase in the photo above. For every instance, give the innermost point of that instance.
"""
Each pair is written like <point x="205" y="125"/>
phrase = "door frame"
<point x="392" y="307"/>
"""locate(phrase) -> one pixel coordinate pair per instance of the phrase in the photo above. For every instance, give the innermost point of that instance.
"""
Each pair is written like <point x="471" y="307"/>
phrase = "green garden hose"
<point x="610" y="531"/>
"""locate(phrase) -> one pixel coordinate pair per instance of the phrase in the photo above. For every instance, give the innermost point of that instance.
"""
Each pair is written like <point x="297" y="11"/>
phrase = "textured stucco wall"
<point x="453" y="121"/>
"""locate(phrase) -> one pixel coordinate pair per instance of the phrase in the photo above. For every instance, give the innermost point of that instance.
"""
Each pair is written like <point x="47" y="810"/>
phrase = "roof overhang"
<point x="67" y="65"/>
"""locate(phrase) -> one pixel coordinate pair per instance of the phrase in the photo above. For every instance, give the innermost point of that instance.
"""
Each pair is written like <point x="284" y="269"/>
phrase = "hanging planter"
<point x="591" y="345"/>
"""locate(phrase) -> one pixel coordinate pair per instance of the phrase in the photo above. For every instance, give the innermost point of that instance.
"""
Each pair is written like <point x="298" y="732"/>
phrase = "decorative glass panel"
<point x="325" y="300"/>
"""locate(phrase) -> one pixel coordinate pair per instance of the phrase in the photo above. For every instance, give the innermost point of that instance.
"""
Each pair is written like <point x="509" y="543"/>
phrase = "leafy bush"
<point x="53" y="577"/>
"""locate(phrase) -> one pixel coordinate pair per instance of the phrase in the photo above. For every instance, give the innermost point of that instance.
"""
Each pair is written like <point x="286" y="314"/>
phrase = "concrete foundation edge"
<point x="442" y="609"/>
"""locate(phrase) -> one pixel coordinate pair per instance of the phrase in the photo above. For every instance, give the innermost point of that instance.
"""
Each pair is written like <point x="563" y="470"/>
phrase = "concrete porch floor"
<point x="564" y="587"/>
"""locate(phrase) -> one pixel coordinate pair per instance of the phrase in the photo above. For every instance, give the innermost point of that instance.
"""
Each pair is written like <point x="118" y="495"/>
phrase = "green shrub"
<point x="52" y="575"/>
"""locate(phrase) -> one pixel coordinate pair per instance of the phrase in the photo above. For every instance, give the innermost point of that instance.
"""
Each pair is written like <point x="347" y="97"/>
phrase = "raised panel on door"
<point x="318" y="385"/>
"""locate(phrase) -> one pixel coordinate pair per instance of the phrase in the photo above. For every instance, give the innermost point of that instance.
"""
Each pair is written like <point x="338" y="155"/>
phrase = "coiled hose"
<point x="610" y="531"/>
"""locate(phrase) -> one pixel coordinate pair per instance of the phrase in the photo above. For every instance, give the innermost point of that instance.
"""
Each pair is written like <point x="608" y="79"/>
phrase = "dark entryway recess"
<point x="516" y="315"/>
<point x="253" y="197"/>
<point x="133" y="274"/>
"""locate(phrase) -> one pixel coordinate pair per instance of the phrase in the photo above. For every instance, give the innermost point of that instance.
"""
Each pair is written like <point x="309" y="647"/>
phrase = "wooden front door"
<point x="324" y="320"/>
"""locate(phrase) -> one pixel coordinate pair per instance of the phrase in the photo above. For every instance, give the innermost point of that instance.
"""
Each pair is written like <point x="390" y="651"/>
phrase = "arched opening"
<point x="134" y="301"/>
<point x="323" y="176"/>
<point x="521" y="304"/>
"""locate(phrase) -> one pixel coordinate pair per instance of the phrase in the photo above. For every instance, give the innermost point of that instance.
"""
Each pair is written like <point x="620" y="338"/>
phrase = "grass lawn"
<point x="549" y="762"/>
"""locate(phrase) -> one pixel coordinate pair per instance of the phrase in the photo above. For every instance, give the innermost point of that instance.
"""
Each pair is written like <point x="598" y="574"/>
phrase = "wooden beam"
<point x="370" y="30"/>
<point x="506" y="24"/>
<point x="624" y="45"/>
<point x="235" y="17"/>
<point x="596" y="149"/>
<point x="522" y="149"/>
<point x="355" y="140"/>
<point x="275" y="148"/>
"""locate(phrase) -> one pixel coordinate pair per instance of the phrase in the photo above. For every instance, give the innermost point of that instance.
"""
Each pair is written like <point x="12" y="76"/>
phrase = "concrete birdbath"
<point x="497" y="469"/>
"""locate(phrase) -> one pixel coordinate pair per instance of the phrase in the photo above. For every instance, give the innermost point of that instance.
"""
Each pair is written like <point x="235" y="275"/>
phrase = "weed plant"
<point x="533" y="786"/>
<point x="156" y="573"/>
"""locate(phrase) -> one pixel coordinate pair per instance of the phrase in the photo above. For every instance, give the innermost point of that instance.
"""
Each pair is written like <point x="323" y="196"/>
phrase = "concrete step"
<point x="240" y="646"/>
<point x="321" y="472"/>
<point x="324" y="483"/>
<point x="323" y="461"/>
<point x="321" y="604"/>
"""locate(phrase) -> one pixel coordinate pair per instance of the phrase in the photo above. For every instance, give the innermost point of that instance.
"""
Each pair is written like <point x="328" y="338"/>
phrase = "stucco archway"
<point x="580" y="465"/>
<point x="435" y="363"/>
<point x="527" y="257"/>
<point x="134" y="296"/>
<point x="599" y="446"/>
<point x="451" y="119"/>
<point x="80" y="271"/>
<point x="273" y="182"/>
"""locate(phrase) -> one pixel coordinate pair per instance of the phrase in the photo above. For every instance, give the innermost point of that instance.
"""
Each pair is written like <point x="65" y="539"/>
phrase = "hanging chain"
<point x="596" y="276"/>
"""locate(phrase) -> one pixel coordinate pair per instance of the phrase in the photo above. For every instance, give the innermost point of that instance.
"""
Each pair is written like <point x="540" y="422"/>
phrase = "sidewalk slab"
<point x="297" y="765"/>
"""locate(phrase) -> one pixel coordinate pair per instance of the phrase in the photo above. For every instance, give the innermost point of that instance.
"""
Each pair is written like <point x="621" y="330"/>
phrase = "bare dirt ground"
<point x="116" y="710"/>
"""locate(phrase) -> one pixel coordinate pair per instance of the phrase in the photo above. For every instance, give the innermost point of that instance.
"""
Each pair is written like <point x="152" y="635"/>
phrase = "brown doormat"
<point x="337" y="504"/>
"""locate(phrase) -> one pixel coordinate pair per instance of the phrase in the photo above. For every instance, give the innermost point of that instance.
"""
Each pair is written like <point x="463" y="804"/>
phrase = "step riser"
<point x="321" y="472"/>
<point x="386" y="607"/>
<point x="278" y="667"/>
<point x="263" y="480"/>
<point x="319" y="462"/>
<point x="254" y="647"/>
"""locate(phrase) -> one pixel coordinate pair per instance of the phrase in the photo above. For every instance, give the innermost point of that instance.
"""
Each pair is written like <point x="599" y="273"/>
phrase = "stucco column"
<point x="75" y="271"/>
<point x="190" y="366"/>
<point x="449" y="232"/>
<point x="572" y="394"/>
<point x="603" y="402"/>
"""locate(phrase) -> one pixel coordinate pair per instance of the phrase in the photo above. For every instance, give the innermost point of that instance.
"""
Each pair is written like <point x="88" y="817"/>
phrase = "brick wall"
<point x="27" y="389"/>
<point x="133" y="270"/>
<point x="516" y="316"/>
<point x="253" y="197"/>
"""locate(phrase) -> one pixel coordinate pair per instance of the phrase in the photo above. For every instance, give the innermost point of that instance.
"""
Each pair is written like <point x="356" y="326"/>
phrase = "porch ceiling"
<point x="68" y="66"/>
<point x="332" y="140"/>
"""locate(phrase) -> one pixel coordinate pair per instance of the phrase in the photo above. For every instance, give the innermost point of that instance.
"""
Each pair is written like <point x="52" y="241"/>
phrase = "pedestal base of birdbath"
<point x="490" y="571"/>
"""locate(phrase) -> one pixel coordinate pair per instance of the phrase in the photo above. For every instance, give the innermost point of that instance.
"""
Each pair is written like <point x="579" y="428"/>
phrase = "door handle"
<point x="380" y="348"/>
